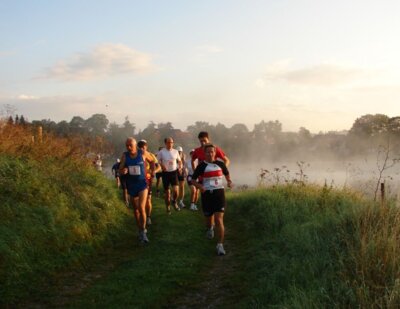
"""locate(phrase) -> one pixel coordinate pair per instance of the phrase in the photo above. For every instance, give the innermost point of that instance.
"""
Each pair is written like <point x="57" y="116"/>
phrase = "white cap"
<point x="118" y="160"/>
<point x="179" y="148"/>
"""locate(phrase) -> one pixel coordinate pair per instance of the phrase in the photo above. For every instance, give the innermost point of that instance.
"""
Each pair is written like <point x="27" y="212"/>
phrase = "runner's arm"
<point x="226" y="161"/>
<point x="152" y="163"/>
<point x="122" y="169"/>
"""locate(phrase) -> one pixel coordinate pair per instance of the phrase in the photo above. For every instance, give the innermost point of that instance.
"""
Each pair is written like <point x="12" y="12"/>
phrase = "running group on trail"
<point x="204" y="173"/>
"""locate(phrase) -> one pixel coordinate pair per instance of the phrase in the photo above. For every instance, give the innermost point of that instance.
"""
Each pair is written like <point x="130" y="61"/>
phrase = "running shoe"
<point x="144" y="237"/>
<point x="193" y="207"/>
<point x="176" y="207"/>
<point x="181" y="205"/>
<point x="168" y="210"/>
<point x="210" y="233"/>
<point x="148" y="220"/>
<point x="220" y="249"/>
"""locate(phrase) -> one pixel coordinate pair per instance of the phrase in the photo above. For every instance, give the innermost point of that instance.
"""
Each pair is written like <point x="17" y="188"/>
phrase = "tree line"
<point x="266" y="139"/>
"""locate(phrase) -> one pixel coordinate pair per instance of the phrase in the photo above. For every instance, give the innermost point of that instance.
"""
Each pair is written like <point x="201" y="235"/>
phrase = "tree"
<point x="370" y="125"/>
<point x="166" y="129"/>
<point x="128" y="127"/>
<point x="151" y="135"/>
<point x="63" y="128"/>
<point x="304" y="135"/>
<point x="197" y="127"/>
<point x="267" y="131"/>
<point x="22" y="121"/>
<point x="117" y="135"/>
<point x="239" y="131"/>
<point x="97" y="124"/>
<point x="77" y="125"/>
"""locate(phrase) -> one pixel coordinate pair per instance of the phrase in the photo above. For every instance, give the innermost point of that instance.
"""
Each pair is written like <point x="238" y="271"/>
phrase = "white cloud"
<point x="209" y="49"/>
<point x="260" y="83"/>
<point x="317" y="75"/>
<point x="26" y="97"/>
<point x="103" y="61"/>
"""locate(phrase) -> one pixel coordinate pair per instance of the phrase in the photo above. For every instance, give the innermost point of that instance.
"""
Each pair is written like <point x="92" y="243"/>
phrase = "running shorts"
<point x="169" y="179"/>
<point x="134" y="188"/>
<point x="213" y="201"/>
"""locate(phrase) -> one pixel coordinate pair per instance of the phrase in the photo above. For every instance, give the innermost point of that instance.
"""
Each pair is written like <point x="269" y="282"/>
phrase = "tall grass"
<point x="373" y="268"/>
<point x="55" y="209"/>
<point x="314" y="247"/>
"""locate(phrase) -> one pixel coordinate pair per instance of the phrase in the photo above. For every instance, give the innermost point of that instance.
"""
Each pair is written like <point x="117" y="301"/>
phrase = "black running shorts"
<point x="169" y="179"/>
<point x="213" y="201"/>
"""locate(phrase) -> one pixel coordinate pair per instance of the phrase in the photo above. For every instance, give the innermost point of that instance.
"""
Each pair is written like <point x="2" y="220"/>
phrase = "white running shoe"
<point x="144" y="237"/>
<point x="210" y="233"/>
<point x="181" y="205"/>
<point x="148" y="221"/>
<point x="176" y="207"/>
<point x="193" y="207"/>
<point x="220" y="249"/>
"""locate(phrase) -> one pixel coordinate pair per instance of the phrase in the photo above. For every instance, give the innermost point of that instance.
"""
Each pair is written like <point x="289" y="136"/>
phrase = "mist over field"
<point x="360" y="174"/>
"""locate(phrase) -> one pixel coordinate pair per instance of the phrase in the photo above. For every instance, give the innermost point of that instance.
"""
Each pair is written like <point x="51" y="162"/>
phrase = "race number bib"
<point x="134" y="170"/>
<point x="170" y="163"/>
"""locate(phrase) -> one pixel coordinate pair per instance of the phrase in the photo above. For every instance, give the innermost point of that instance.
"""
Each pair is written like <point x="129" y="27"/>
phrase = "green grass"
<point x="52" y="215"/>
<point x="175" y="259"/>
<point x="288" y="246"/>
<point x="294" y="246"/>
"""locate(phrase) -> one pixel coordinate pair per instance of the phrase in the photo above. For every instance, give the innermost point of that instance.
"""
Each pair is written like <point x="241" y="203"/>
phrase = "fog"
<point x="360" y="174"/>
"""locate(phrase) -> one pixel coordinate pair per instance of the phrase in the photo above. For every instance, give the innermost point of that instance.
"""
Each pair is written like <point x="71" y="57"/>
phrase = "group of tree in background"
<point x="266" y="140"/>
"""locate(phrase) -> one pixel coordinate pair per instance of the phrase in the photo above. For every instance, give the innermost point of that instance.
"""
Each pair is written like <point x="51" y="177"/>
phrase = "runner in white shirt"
<point x="171" y="164"/>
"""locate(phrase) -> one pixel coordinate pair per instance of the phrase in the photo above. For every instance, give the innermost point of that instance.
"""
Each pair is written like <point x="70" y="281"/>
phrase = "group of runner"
<point x="204" y="173"/>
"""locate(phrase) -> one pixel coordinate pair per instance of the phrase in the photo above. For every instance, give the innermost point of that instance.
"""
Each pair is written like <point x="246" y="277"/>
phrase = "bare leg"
<point x="209" y="221"/>
<point x="167" y="198"/>
<point x="175" y="192"/>
<point x="181" y="190"/>
<point x="125" y="196"/>
<point x="219" y="221"/>
<point x="142" y="209"/>
<point x="149" y="206"/>
<point x="196" y="195"/>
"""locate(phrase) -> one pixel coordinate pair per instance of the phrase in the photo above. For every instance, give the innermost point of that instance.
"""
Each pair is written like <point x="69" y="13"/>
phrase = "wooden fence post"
<point x="40" y="134"/>
<point x="382" y="193"/>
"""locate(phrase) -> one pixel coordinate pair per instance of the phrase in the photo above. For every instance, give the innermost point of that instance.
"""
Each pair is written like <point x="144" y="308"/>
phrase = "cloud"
<point x="26" y="97"/>
<point x="260" y="83"/>
<point x="209" y="49"/>
<point x="317" y="75"/>
<point x="7" y="53"/>
<point x="102" y="61"/>
<point x="205" y="52"/>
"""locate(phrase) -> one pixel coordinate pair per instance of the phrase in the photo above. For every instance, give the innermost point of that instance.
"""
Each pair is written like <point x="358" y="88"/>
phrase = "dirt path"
<point x="214" y="288"/>
<point x="219" y="285"/>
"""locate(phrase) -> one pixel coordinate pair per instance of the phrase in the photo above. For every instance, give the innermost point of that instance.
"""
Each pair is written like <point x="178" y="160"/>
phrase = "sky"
<point x="306" y="63"/>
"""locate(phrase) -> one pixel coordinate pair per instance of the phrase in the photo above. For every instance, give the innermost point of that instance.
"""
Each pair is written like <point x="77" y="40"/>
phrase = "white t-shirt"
<point x="169" y="159"/>
<point x="189" y="168"/>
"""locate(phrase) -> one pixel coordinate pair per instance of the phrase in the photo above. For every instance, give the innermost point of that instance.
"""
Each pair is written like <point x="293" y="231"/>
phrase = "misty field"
<point x="360" y="174"/>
